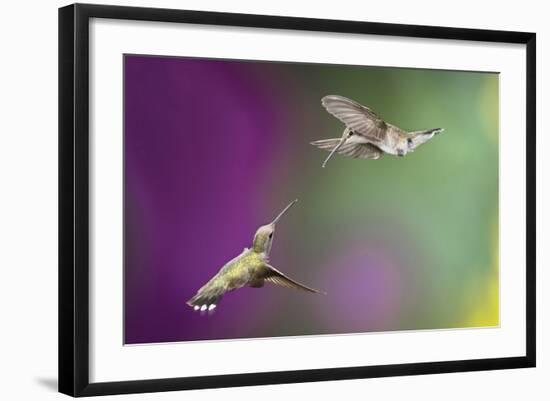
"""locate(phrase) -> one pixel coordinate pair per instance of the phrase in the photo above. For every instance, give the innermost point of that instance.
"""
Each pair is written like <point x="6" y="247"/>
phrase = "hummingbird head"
<point x="263" y="239"/>
<point x="417" y="138"/>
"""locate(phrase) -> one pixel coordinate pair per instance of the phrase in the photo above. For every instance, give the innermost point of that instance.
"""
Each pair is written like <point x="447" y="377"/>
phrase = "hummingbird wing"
<point x="355" y="150"/>
<point x="274" y="276"/>
<point x="358" y="118"/>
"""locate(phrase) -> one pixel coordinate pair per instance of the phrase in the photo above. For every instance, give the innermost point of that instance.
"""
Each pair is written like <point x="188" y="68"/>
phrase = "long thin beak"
<point x="342" y="141"/>
<point x="284" y="211"/>
<point x="434" y="131"/>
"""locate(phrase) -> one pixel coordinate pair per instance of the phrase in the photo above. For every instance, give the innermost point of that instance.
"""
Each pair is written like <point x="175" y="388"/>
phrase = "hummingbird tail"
<point x="206" y="299"/>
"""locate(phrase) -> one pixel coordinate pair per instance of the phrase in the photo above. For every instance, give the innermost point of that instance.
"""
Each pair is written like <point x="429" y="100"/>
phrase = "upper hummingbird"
<point x="366" y="135"/>
<point x="251" y="268"/>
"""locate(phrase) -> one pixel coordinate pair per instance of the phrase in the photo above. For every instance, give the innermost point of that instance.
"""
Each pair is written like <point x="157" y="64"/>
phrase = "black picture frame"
<point x="74" y="198"/>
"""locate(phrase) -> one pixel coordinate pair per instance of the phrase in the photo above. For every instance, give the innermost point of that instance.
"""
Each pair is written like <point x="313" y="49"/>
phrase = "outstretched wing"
<point x="355" y="150"/>
<point x="358" y="118"/>
<point x="274" y="276"/>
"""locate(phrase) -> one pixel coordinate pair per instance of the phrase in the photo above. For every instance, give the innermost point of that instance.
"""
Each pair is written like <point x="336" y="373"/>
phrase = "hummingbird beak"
<point x="345" y="137"/>
<point x="284" y="211"/>
<point x="421" y="137"/>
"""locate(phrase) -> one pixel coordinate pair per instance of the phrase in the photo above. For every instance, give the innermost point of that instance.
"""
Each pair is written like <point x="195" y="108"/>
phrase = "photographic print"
<point x="270" y="199"/>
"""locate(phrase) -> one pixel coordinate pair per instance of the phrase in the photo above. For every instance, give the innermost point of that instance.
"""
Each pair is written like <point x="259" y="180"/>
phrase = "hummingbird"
<point x="251" y="268"/>
<point x="366" y="135"/>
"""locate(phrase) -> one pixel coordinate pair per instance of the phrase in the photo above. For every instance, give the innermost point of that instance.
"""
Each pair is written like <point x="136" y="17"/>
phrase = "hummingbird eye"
<point x="271" y="235"/>
<point x="409" y="142"/>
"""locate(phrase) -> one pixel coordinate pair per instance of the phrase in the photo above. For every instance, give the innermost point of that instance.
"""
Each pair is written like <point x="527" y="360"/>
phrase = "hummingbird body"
<point x="251" y="268"/>
<point x="366" y="135"/>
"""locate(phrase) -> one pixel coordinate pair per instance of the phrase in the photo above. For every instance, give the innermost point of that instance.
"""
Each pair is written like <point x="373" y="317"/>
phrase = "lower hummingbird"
<point x="251" y="268"/>
<point x="366" y="135"/>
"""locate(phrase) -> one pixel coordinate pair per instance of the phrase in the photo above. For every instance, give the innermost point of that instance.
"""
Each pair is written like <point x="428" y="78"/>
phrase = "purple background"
<point x="214" y="149"/>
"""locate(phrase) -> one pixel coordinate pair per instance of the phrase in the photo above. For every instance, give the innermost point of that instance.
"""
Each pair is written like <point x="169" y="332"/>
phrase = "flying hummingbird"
<point x="366" y="135"/>
<point x="251" y="268"/>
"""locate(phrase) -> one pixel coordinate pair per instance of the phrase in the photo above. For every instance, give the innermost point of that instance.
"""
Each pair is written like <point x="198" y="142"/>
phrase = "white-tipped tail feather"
<point x="206" y="299"/>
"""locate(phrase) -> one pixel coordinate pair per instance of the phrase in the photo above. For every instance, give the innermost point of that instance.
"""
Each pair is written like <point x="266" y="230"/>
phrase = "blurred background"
<point x="214" y="149"/>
